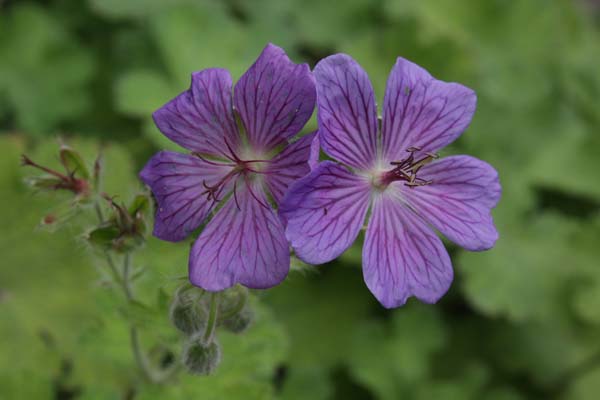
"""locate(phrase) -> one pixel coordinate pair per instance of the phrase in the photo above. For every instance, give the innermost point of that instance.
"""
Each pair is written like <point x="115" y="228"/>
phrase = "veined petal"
<point x="325" y="211"/>
<point x="243" y="245"/>
<point x="459" y="200"/>
<point x="290" y="165"/>
<point x="178" y="182"/>
<point x="346" y="111"/>
<point x="201" y="118"/>
<point x="275" y="98"/>
<point x="402" y="257"/>
<point x="420" y="111"/>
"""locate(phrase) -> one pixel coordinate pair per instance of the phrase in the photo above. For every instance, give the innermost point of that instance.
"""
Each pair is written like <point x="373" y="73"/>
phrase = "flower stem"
<point x="140" y="357"/>
<point x="99" y="213"/>
<point x="113" y="267"/>
<point x="212" y="318"/>
<point x="124" y="280"/>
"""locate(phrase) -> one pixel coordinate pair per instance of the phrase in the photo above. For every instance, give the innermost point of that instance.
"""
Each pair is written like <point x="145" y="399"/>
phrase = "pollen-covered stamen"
<point x="406" y="169"/>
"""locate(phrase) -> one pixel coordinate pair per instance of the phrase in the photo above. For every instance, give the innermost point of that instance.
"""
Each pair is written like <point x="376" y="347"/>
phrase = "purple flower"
<point x="239" y="172"/>
<point x="393" y="171"/>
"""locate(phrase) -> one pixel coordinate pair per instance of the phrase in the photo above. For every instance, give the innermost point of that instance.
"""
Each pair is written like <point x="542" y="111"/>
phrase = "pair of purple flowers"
<point x="244" y="164"/>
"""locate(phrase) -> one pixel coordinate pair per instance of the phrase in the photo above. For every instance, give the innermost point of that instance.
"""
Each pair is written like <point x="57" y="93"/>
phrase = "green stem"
<point x="212" y="318"/>
<point x="113" y="267"/>
<point x="125" y="281"/>
<point x="99" y="213"/>
<point x="140" y="356"/>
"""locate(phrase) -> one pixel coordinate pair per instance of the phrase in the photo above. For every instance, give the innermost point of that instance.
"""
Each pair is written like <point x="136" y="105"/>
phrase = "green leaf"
<point x="73" y="162"/>
<point x="103" y="236"/>
<point x="586" y="386"/>
<point x="414" y="335"/>
<point x="119" y="9"/>
<point x="139" y="204"/>
<point x="569" y="162"/>
<point x="142" y="92"/>
<point x="335" y="300"/>
<point x="43" y="69"/>
<point x="193" y="38"/>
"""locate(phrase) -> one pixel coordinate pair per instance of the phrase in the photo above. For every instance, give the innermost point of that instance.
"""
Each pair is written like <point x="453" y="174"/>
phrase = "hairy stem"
<point x="212" y="318"/>
<point x="124" y="280"/>
<point x="99" y="213"/>
<point x="126" y="277"/>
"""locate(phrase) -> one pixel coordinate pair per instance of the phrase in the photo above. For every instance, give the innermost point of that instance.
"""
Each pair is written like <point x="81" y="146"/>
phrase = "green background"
<point x="521" y="321"/>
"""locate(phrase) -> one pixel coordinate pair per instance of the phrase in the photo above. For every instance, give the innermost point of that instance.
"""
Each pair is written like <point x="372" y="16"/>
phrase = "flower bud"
<point x="187" y="312"/>
<point x="201" y="358"/>
<point x="125" y="228"/>
<point x="239" y="322"/>
<point x="232" y="301"/>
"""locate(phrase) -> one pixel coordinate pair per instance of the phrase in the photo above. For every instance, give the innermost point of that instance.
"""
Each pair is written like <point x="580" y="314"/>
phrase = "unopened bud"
<point x="187" y="312"/>
<point x="49" y="219"/>
<point x="239" y="322"/>
<point x="56" y="219"/>
<point x="232" y="301"/>
<point x="201" y="358"/>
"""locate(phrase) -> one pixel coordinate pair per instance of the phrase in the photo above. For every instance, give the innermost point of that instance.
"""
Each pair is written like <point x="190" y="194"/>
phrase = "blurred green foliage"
<point x="521" y="321"/>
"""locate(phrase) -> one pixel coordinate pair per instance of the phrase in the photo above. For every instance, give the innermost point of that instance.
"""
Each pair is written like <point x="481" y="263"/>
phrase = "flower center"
<point x="248" y="169"/>
<point x="406" y="170"/>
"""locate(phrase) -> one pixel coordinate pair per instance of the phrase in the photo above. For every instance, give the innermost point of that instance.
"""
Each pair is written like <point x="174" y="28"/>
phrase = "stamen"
<point x="213" y="192"/>
<point x="406" y="169"/>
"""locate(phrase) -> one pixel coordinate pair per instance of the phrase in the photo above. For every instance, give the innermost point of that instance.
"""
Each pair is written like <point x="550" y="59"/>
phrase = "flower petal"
<point x="459" y="201"/>
<point x="275" y="98"/>
<point x="243" y="245"/>
<point x="290" y="165"/>
<point x="325" y="211"/>
<point x="201" y="118"/>
<point x="177" y="181"/>
<point x="346" y="111"/>
<point x="402" y="257"/>
<point x="420" y="111"/>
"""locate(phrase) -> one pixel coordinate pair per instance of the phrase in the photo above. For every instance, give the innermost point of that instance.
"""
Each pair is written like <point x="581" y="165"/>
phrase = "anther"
<point x="406" y="170"/>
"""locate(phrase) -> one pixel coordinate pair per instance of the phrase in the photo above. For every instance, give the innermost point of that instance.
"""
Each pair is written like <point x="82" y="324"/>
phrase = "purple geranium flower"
<point x="392" y="171"/>
<point x="242" y="171"/>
